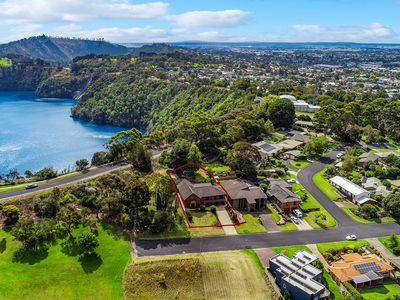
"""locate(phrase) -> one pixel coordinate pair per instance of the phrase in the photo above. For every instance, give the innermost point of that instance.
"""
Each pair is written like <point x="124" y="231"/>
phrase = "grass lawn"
<point x="340" y="245"/>
<point x="385" y="240"/>
<point x="299" y="164"/>
<point x="289" y="251"/>
<point x="214" y="275"/>
<point x="56" y="275"/>
<point x="324" y="185"/>
<point x="252" y="224"/>
<point x="217" y="167"/>
<point x="203" y="218"/>
<point x="388" y="289"/>
<point x="358" y="219"/>
<point x="288" y="226"/>
<point x="310" y="217"/>
<point x="310" y="114"/>
<point x="5" y="62"/>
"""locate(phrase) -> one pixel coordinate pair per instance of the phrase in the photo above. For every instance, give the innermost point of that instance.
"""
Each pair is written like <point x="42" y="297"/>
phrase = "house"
<point x="281" y="193"/>
<point x="395" y="183"/>
<point x="243" y="195"/>
<point x="305" y="124"/>
<point x="298" y="277"/>
<point x="288" y="144"/>
<point x="266" y="148"/>
<point x="301" y="105"/>
<point x="361" y="271"/>
<point x="356" y="193"/>
<point x="374" y="185"/>
<point x="300" y="137"/>
<point x="367" y="157"/>
<point x="292" y="154"/>
<point x="195" y="194"/>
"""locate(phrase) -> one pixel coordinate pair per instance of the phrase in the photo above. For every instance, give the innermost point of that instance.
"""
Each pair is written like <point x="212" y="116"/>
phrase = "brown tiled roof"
<point x="300" y="137"/>
<point x="201" y="190"/>
<point x="368" y="157"/>
<point x="240" y="190"/>
<point x="345" y="269"/>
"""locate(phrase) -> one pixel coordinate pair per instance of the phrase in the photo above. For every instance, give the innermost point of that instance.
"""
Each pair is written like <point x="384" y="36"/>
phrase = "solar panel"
<point x="365" y="268"/>
<point x="267" y="147"/>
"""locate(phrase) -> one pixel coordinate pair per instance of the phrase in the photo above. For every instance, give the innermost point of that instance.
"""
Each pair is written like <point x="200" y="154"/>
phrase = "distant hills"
<point x="64" y="50"/>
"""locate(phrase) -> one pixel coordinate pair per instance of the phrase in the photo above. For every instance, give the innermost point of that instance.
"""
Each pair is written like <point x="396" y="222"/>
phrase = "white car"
<point x="351" y="237"/>
<point x="291" y="181"/>
<point x="339" y="155"/>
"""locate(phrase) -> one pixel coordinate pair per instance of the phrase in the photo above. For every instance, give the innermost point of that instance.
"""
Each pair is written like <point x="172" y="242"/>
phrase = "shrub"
<point x="353" y="291"/>
<point x="189" y="215"/>
<point x="69" y="198"/>
<point x="396" y="250"/>
<point x="87" y="242"/>
<point x="11" y="213"/>
<point x="162" y="279"/>
<point x="46" y="206"/>
<point x="213" y="209"/>
<point x="202" y="208"/>
<point x="393" y="242"/>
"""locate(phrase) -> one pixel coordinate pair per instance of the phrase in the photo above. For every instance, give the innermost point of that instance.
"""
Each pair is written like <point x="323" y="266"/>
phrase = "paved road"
<point x="270" y="239"/>
<point x="91" y="173"/>
<point x="305" y="179"/>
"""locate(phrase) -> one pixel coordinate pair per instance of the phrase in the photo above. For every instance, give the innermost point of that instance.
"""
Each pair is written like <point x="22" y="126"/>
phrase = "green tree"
<point x="281" y="112"/>
<point x="243" y="159"/>
<point x="392" y="204"/>
<point x="82" y="164"/>
<point x="140" y="157"/>
<point x="269" y="127"/>
<point x="136" y="198"/>
<point x="87" y="242"/>
<point x="11" y="214"/>
<point x="123" y="142"/>
<point x="179" y="153"/>
<point x="317" y="146"/>
<point x="99" y="158"/>
<point x="162" y="191"/>
<point x="46" y="173"/>
<point x="194" y="156"/>
<point x="70" y="216"/>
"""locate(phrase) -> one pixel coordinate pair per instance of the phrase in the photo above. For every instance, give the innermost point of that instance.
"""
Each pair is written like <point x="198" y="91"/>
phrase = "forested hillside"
<point x="24" y="74"/>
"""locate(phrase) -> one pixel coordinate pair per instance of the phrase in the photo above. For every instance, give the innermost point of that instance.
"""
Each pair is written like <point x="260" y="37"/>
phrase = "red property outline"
<point x="182" y="206"/>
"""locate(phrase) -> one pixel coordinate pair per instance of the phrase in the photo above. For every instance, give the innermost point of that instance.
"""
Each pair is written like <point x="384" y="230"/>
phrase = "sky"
<point x="137" y="21"/>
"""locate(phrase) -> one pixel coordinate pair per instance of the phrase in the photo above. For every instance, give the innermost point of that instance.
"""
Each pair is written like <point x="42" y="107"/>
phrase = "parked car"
<point x="31" y="186"/>
<point x="339" y="155"/>
<point x="298" y="213"/>
<point x="295" y="220"/>
<point x="291" y="181"/>
<point x="351" y="237"/>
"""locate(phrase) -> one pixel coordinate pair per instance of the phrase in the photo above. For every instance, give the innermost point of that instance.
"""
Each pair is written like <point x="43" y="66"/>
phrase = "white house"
<point x="301" y="105"/>
<point x="356" y="193"/>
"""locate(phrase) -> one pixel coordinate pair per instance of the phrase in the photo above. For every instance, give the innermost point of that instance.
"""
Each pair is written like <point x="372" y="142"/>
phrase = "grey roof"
<point x="240" y="190"/>
<point x="368" y="157"/>
<point x="298" y="271"/>
<point x="282" y="193"/>
<point x="300" y="137"/>
<point x="367" y="277"/>
<point x="293" y="152"/>
<point x="186" y="189"/>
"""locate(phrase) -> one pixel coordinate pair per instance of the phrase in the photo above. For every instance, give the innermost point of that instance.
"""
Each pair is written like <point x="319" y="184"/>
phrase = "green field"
<point x="358" y="219"/>
<point x="323" y="184"/>
<point x="217" y="167"/>
<point x="299" y="164"/>
<point x="215" y="275"/>
<point x="55" y="275"/>
<point x="388" y="289"/>
<point x="289" y="251"/>
<point x="385" y="240"/>
<point x="340" y="245"/>
<point x="252" y="224"/>
<point x="5" y="62"/>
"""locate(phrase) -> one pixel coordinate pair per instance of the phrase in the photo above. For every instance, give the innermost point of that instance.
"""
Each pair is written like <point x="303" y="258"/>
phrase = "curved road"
<point x="62" y="181"/>
<point x="345" y="226"/>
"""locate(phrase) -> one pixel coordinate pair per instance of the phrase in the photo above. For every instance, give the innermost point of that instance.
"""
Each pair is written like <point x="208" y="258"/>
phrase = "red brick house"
<point x="281" y="193"/>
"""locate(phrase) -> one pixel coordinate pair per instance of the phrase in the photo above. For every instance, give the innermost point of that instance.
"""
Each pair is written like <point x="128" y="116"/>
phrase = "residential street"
<point x="345" y="227"/>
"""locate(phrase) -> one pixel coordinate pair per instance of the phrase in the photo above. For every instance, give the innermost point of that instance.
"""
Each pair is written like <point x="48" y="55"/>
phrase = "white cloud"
<point x="198" y="19"/>
<point x="45" y="11"/>
<point x="114" y="34"/>
<point x="374" y="31"/>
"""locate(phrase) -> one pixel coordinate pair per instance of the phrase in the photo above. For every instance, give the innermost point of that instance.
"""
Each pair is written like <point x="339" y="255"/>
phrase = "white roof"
<point x="364" y="200"/>
<point x="290" y="97"/>
<point x="349" y="186"/>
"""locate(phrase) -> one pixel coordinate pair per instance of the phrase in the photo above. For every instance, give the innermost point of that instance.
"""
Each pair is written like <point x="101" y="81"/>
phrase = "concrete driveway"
<point x="224" y="219"/>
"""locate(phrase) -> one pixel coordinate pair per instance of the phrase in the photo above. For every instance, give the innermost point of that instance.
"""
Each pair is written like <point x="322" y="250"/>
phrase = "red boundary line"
<point x="182" y="206"/>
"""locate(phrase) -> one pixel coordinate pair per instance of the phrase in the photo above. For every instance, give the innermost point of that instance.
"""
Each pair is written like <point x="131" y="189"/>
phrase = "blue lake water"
<point x="37" y="133"/>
